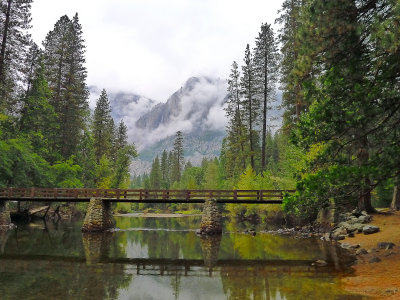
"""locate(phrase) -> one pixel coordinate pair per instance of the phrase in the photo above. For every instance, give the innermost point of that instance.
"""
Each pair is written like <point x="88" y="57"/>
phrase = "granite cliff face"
<point x="196" y="109"/>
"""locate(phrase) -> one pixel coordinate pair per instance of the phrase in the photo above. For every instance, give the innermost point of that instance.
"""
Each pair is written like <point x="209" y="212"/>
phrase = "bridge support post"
<point x="211" y="222"/>
<point x="98" y="216"/>
<point x="5" y="219"/>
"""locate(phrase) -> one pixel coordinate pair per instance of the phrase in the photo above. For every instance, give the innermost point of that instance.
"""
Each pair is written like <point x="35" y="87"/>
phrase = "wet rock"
<point x="349" y="246"/>
<point x="369" y="229"/>
<point x="326" y="237"/>
<point x="374" y="260"/>
<point x="361" y="251"/>
<point x="319" y="263"/>
<point x="339" y="237"/>
<point x="364" y="219"/>
<point x="386" y="245"/>
<point x="351" y="234"/>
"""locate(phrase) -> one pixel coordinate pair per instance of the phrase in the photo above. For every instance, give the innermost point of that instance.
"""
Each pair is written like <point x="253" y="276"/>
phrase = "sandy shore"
<point x="379" y="280"/>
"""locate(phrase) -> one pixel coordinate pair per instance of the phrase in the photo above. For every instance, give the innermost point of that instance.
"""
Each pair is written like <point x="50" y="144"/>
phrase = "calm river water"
<point x="162" y="258"/>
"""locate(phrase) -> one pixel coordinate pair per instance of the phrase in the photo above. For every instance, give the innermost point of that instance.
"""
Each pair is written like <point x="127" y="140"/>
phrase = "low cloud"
<point x="199" y="107"/>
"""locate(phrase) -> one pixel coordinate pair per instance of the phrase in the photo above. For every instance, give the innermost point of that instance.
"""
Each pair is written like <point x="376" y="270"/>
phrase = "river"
<point x="163" y="258"/>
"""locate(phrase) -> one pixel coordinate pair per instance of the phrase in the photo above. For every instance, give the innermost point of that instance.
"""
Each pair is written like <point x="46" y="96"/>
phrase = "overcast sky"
<point x="151" y="47"/>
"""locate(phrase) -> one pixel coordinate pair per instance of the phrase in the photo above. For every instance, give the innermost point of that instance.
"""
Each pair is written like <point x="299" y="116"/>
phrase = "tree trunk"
<point x="395" y="205"/>
<point x="4" y="43"/>
<point x="264" y="129"/>
<point x="364" y="201"/>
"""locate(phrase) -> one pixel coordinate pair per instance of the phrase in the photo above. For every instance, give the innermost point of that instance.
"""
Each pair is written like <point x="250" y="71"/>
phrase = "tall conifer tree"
<point x="14" y="42"/>
<point x="64" y="59"/>
<point x="103" y="127"/>
<point x="249" y="101"/>
<point x="266" y="69"/>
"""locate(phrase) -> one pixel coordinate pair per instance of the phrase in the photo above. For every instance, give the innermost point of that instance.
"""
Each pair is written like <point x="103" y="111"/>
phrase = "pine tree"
<point x="290" y="41"/>
<point x="64" y="59"/>
<point x="350" y="107"/>
<point x="178" y="158"/>
<point x="249" y="100"/>
<point x="121" y="139"/>
<point x="155" y="174"/>
<point x="38" y="121"/>
<point x="164" y="170"/>
<point x="103" y="128"/>
<point x="235" y="130"/>
<point x="32" y="62"/>
<point x="266" y="69"/>
<point x="14" y="39"/>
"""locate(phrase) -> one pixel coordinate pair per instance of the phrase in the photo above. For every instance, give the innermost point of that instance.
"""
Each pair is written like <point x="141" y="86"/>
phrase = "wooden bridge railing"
<point x="142" y="195"/>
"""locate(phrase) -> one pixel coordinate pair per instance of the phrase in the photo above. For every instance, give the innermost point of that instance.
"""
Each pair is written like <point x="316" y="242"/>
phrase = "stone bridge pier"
<point x="98" y="216"/>
<point x="5" y="220"/>
<point x="211" y="220"/>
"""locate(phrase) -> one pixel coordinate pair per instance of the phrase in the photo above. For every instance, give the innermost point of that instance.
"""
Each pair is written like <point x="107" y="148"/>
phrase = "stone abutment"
<point x="5" y="220"/>
<point x="211" y="220"/>
<point x="98" y="216"/>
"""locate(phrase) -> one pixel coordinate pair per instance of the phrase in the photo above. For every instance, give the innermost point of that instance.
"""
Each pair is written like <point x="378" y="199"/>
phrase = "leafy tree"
<point x="121" y="176"/>
<point x="20" y="166"/>
<point x="87" y="160"/>
<point x="211" y="179"/>
<point x="104" y="173"/>
<point x="66" y="174"/>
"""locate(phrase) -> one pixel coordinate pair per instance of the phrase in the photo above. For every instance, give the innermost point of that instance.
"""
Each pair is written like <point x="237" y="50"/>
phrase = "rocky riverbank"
<point x="377" y="269"/>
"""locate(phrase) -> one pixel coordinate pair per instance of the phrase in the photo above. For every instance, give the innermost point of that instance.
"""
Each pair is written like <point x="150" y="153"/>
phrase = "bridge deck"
<point x="143" y="196"/>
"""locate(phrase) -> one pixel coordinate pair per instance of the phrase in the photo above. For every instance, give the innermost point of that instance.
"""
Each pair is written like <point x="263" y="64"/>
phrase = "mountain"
<point x="127" y="106"/>
<point x="196" y="109"/>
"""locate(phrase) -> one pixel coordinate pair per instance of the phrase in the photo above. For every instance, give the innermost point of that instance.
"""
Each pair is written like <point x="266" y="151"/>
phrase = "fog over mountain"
<point x="196" y="109"/>
<point x="197" y="105"/>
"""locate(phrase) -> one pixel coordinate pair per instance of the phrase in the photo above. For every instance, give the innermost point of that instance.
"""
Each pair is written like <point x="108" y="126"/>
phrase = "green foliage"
<point x="104" y="173"/>
<point x="66" y="174"/>
<point x="20" y="166"/>
<point x="121" y="176"/>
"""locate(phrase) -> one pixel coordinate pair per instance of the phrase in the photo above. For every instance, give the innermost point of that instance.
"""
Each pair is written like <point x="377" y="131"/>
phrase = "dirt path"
<point x="380" y="280"/>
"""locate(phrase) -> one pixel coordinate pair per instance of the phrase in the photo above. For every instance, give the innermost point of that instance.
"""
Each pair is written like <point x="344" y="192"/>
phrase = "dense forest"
<point x="48" y="136"/>
<point x="337" y="64"/>
<point x="338" y="68"/>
